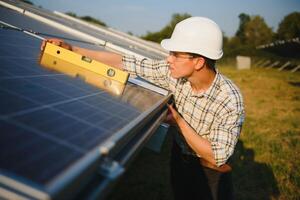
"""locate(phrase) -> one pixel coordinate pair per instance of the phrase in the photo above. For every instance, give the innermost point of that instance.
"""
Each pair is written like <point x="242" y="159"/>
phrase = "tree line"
<point x="252" y="32"/>
<point x="88" y="19"/>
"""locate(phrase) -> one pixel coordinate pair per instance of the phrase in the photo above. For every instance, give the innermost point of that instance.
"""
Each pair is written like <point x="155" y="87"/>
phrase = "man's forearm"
<point x="109" y="58"/>
<point x="200" y="145"/>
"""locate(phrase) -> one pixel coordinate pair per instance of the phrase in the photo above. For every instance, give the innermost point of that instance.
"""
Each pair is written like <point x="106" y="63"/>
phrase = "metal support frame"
<point x="284" y="66"/>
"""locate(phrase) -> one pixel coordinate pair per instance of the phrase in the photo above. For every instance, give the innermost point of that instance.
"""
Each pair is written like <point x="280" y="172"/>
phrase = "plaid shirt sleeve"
<point x="155" y="71"/>
<point x="224" y="135"/>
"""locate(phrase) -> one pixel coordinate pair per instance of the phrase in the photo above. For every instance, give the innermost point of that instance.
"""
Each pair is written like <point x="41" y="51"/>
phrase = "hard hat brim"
<point x="170" y="45"/>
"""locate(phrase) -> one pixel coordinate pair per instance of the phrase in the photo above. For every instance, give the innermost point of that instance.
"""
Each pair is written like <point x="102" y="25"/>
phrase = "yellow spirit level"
<point x="93" y="72"/>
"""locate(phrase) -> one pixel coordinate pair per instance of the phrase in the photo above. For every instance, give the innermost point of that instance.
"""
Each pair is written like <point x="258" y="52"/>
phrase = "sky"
<point x="142" y="16"/>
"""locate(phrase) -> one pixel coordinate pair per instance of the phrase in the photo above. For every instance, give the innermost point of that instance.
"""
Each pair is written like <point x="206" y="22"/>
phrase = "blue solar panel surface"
<point x="48" y="120"/>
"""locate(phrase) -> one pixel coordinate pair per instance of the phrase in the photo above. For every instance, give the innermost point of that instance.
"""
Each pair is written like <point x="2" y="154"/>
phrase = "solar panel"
<point x="284" y="48"/>
<point x="104" y="33"/>
<point x="51" y="123"/>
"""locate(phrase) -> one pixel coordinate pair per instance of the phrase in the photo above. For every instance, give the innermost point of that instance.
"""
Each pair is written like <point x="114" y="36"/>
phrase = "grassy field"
<point x="266" y="161"/>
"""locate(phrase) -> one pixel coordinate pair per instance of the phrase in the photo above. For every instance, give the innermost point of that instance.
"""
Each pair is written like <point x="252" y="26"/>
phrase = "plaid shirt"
<point x="216" y="115"/>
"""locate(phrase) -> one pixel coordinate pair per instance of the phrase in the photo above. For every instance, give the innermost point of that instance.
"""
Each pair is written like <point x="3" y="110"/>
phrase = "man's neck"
<point x="202" y="80"/>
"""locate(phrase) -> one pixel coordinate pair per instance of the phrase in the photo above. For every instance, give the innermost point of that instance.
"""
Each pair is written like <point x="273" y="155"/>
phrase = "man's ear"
<point x="199" y="63"/>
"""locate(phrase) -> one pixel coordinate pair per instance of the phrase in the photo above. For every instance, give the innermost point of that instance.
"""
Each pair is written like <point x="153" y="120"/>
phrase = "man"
<point x="208" y="108"/>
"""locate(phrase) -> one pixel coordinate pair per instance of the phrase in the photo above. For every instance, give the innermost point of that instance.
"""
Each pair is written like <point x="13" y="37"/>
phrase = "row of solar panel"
<point x="53" y="126"/>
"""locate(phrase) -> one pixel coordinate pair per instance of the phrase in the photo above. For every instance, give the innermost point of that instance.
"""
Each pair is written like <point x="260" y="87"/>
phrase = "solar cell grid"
<point x="49" y="121"/>
<point x="22" y="157"/>
<point x="47" y="117"/>
<point x="11" y="103"/>
<point x="12" y="67"/>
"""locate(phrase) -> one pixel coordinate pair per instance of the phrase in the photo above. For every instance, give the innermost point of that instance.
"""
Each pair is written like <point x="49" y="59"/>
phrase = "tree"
<point x="252" y="31"/>
<point x="240" y="34"/>
<point x="257" y="32"/>
<point x="27" y="1"/>
<point x="289" y="27"/>
<point x="93" y="20"/>
<point x="166" y="32"/>
<point x="87" y="18"/>
<point x="71" y="14"/>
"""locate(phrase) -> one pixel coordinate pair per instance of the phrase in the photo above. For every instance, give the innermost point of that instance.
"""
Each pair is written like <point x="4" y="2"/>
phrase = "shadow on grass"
<point x="297" y="84"/>
<point x="251" y="179"/>
<point x="148" y="176"/>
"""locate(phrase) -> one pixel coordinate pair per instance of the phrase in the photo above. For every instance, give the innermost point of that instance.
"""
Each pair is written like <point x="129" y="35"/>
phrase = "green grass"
<point x="266" y="161"/>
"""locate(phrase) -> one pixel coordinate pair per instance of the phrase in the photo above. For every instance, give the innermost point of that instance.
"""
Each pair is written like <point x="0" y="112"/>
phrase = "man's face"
<point x="181" y="64"/>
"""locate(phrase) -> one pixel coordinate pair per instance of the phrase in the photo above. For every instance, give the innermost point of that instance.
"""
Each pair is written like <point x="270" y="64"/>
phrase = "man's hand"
<point x="173" y="116"/>
<point x="57" y="42"/>
<point x="169" y="119"/>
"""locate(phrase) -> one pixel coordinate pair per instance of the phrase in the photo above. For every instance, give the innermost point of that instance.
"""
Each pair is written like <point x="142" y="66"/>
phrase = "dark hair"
<point x="209" y="62"/>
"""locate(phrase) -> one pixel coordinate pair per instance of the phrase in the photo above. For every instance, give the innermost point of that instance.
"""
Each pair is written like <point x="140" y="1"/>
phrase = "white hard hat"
<point x="197" y="35"/>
